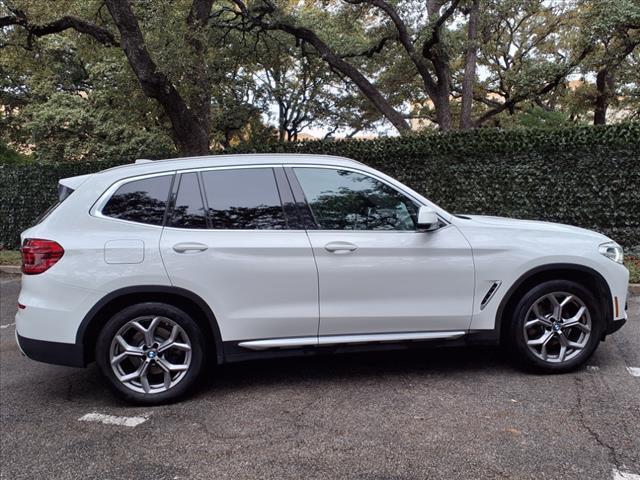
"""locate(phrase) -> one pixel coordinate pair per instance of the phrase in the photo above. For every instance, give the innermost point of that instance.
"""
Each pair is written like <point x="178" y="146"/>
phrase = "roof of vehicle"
<point x="145" y="167"/>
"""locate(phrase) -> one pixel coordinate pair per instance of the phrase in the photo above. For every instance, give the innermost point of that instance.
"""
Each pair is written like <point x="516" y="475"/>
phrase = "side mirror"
<point x="427" y="219"/>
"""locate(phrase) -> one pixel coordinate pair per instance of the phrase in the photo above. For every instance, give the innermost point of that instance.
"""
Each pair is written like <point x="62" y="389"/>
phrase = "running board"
<point x="295" y="342"/>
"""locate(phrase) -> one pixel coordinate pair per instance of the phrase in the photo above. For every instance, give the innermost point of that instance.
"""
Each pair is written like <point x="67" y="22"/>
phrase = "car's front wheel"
<point x="556" y="326"/>
<point x="150" y="353"/>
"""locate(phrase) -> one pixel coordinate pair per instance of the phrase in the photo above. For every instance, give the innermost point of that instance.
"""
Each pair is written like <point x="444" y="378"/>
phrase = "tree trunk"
<point x="604" y="87"/>
<point x="470" y="62"/>
<point x="442" y="104"/>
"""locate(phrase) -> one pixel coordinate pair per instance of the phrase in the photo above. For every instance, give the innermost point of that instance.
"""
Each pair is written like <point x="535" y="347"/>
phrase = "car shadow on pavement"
<point x="86" y="387"/>
<point x="359" y="367"/>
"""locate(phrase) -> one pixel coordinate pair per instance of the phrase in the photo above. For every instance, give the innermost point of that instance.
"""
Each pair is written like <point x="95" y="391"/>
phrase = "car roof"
<point x="156" y="166"/>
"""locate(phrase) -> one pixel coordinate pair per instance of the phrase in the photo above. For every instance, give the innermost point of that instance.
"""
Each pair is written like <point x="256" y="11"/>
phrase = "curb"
<point x="11" y="269"/>
<point x="634" y="288"/>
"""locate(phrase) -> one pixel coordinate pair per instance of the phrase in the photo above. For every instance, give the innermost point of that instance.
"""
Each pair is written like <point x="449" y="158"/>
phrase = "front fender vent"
<point x="490" y="293"/>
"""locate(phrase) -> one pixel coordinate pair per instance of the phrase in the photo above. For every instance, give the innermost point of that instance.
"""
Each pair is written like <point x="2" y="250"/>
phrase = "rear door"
<point x="233" y="239"/>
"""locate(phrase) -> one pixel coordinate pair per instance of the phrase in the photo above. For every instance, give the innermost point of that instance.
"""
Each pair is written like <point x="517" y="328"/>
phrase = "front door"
<point x="230" y="241"/>
<point x="377" y="273"/>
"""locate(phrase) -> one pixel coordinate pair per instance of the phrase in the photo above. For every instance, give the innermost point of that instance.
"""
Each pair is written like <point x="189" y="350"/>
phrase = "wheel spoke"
<point x="178" y="346"/>
<point x="542" y="340"/>
<point x="149" y="333"/>
<point x="557" y="308"/>
<point x="142" y="369"/>
<point x="540" y="317"/>
<point x="563" y="353"/>
<point x="167" y="379"/>
<point x="128" y="348"/>
<point x="167" y="366"/>
<point x="570" y="322"/>
<point x="144" y="381"/>
<point x="576" y="345"/>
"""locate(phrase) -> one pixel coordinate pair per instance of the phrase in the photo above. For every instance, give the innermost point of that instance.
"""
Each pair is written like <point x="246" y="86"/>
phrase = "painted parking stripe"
<point x="113" y="419"/>
<point x="7" y="325"/>
<point x="634" y="371"/>
<point x="620" y="475"/>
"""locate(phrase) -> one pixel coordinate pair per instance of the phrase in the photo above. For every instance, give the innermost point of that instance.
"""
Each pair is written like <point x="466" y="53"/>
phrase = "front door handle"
<point x="340" y="248"/>
<point x="189" y="247"/>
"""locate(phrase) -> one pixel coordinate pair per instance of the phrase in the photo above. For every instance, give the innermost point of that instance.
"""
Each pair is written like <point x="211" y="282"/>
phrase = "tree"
<point x="614" y="28"/>
<point x="189" y="113"/>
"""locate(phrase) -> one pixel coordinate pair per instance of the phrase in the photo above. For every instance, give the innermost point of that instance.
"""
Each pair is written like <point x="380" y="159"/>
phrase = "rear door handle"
<point x="189" y="247"/>
<point x="340" y="248"/>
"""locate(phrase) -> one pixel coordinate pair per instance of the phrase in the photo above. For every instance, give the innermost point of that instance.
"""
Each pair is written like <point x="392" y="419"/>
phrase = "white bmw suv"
<point x="151" y="269"/>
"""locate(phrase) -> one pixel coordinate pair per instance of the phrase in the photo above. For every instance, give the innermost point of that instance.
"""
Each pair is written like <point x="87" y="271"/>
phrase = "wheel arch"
<point x="586" y="276"/>
<point x="108" y="305"/>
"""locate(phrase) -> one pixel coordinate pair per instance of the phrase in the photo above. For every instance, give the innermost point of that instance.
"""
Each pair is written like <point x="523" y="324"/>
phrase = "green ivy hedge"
<point x="586" y="176"/>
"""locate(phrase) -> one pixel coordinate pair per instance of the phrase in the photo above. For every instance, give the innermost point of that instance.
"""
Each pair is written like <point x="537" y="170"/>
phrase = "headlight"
<point x="612" y="250"/>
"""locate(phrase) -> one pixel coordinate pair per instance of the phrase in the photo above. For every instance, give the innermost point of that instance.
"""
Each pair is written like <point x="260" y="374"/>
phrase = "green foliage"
<point x="10" y="257"/>
<point x="633" y="265"/>
<point x="586" y="176"/>
<point x="8" y="155"/>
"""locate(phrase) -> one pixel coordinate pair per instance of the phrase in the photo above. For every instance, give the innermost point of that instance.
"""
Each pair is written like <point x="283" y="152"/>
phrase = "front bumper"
<point x="68" y="354"/>
<point x="615" y="325"/>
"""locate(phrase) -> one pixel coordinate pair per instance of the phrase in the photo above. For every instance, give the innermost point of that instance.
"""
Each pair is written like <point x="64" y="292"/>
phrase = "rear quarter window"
<point x="142" y="201"/>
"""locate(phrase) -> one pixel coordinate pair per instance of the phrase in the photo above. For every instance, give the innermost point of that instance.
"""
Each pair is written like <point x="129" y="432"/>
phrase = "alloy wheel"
<point x="150" y="354"/>
<point x="557" y="327"/>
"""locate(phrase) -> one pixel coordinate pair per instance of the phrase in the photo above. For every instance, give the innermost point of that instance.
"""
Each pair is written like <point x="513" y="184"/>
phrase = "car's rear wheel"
<point x="556" y="326"/>
<point x="150" y="353"/>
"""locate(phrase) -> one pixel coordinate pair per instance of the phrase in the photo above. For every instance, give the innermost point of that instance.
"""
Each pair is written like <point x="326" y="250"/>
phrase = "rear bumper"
<point x="68" y="354"/>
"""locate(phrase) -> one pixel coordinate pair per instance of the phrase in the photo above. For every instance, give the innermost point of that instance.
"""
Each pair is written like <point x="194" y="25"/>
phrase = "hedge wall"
<point x="586" y="176"/>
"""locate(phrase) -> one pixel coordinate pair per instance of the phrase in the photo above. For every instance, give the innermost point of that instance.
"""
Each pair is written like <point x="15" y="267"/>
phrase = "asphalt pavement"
<point x="447" y="413"/>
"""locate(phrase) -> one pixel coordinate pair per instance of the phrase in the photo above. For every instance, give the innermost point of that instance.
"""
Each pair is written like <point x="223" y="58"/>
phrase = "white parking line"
<point x="634" y="371"/>
<point x="620" y="475"/>
<point x="113" y="420"/>
<point x="7" y="325"/>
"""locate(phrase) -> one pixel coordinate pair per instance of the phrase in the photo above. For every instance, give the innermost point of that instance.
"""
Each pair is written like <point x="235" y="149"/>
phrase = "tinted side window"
<point x="344" y="200"/>
<point x="189" y="208"/>
<point x="142" y="201"/>
<point x="246" y="198"/>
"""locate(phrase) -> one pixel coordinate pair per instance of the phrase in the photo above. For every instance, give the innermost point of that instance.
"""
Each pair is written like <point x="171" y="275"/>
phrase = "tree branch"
<point x="99" y="33"/>
<point x="435" y="30"/>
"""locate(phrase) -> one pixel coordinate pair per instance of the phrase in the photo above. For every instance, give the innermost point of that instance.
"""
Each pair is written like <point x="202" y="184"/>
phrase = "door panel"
<point x="394" y="281"/>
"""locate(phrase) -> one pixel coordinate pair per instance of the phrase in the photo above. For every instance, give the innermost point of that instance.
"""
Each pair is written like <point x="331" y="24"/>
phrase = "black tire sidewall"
<point x="160" y="309"/>
<point x="517" y="339"/>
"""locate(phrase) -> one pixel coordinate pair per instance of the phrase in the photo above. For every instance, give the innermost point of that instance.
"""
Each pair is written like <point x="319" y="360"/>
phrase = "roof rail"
<point x="142" y="160"/>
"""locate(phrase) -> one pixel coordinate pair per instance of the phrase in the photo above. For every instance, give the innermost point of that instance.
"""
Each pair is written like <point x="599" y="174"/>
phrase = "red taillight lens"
<point x="39" y="255"/>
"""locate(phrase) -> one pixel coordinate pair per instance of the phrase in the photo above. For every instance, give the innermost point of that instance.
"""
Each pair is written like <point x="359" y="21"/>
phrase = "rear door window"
<point x="142" y="201"/>
<point x="244" y="198"/>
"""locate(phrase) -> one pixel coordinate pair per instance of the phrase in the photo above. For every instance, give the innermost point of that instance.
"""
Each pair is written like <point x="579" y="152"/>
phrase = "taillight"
<point x="39" y="255"/>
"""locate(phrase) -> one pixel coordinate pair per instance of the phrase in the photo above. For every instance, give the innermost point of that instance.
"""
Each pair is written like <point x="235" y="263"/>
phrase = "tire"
<point x="150" y="353"/>
<point x="536" y="338"/>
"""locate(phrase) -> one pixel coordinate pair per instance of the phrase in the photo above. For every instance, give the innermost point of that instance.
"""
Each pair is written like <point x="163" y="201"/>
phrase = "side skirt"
<point x="234" y="352"/>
